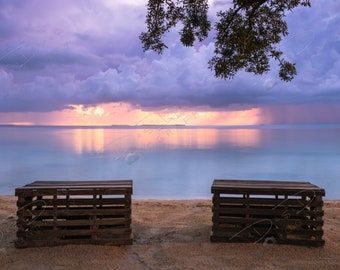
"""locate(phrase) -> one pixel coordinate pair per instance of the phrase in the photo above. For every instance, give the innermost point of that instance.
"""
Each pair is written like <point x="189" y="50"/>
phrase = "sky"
<point x="81" y="62"/>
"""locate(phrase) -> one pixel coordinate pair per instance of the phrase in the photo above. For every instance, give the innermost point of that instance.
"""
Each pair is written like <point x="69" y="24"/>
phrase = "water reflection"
<point x="240" y="137"/>
<point x="113" y="140"/>
<point x="169" y="163"/>
<point x="88" y="140"/>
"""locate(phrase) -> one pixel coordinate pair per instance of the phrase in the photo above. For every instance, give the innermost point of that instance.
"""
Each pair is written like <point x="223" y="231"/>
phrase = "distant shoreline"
<point x="180" y="126"/>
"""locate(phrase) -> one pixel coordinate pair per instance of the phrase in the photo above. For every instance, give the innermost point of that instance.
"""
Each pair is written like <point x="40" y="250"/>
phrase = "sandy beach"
<point x="170" y="235"/>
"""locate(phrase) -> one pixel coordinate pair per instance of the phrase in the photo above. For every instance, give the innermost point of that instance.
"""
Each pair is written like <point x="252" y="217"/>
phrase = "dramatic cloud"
<point x="54" y="55"/>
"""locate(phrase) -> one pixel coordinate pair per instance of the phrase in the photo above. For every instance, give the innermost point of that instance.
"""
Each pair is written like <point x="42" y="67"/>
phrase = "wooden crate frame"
<point x="74" y="212"/>
<point x="279" y="212"/>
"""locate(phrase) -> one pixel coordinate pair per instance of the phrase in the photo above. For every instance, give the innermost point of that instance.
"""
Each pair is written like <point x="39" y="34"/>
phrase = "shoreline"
<point x="171" y="234"/>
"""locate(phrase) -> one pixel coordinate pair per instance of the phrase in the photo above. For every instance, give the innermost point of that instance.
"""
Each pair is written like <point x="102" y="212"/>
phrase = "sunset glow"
<point x="124" y="114"/>
<point x="82" y="63"/>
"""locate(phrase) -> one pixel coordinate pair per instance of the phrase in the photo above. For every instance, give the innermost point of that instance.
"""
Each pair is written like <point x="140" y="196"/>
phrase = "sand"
<point x="170" y="235"/>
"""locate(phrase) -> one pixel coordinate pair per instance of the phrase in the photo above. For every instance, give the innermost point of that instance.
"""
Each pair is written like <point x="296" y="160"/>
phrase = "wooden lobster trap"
<point x="279" y="212"/>
<point x="74" y="212"/>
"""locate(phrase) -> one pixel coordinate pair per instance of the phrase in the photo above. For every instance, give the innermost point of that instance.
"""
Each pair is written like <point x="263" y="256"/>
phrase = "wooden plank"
<point x="293" y="193"/>
<point x="266" y="211"/>
<point x="267" y="201"/>
<point x="255" y="186"/>
<point x="65" y="192"/>
<point x="20" y="243"/>
<point x="80" y="222"/>
<point x="280" y="222"/>
<point x="218" y="183"/>
<point x="74" y="212"/>
<point x="80" y="201"/>
<point x="302" y="242"/>
<point x="70" y="186"/>
<point x="263" y="231"/>
<point x="112" y="232"/>
<point x="82" y="184"/>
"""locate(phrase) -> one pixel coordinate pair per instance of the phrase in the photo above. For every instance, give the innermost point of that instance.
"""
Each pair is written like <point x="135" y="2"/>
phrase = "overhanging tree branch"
<point x="246" y="35"/>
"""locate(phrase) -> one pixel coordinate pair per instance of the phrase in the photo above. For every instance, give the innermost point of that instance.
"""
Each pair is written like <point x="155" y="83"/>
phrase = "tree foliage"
<point x="247" y="33"/>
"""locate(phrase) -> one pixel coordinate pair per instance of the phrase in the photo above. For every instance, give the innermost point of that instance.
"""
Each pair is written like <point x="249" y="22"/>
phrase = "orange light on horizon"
<point x="126" y="114"/>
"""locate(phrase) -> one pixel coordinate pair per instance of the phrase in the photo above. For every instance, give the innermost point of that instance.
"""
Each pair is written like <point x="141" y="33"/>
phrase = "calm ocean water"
<point x="171" y="162"/>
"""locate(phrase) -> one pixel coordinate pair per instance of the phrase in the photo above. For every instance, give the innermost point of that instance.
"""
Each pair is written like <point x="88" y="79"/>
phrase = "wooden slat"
<point x="244" y="186"/>
<point x="302" y="242"/>
<point x="280" y="222"/>
<point x="60" y="233"/>
<point x="267" y="201"/>
<point x="65" y="192"/>
<point x="74" y="212"/>
<point x="71" y="201"/>
<point x="263" y="231"/>
<point x="82" y="184"/>
<point x="68" y="186"/>
<point x="125" y="240"/>
<point x="266" y="211"/>
<point x="99" y="222"/>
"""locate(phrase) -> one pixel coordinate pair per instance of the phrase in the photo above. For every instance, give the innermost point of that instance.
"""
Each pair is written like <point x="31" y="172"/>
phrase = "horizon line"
<point x="183" y="126"/>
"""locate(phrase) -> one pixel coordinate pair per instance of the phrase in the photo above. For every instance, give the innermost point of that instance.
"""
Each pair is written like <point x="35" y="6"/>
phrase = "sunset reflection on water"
<point x="88" y="140"/>
<point x="169" y="162"/>
<point x="99" y="140"/>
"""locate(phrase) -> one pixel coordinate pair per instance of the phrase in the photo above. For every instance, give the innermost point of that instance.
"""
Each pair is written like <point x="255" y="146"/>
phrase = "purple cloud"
<point x="53" y="54"/>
